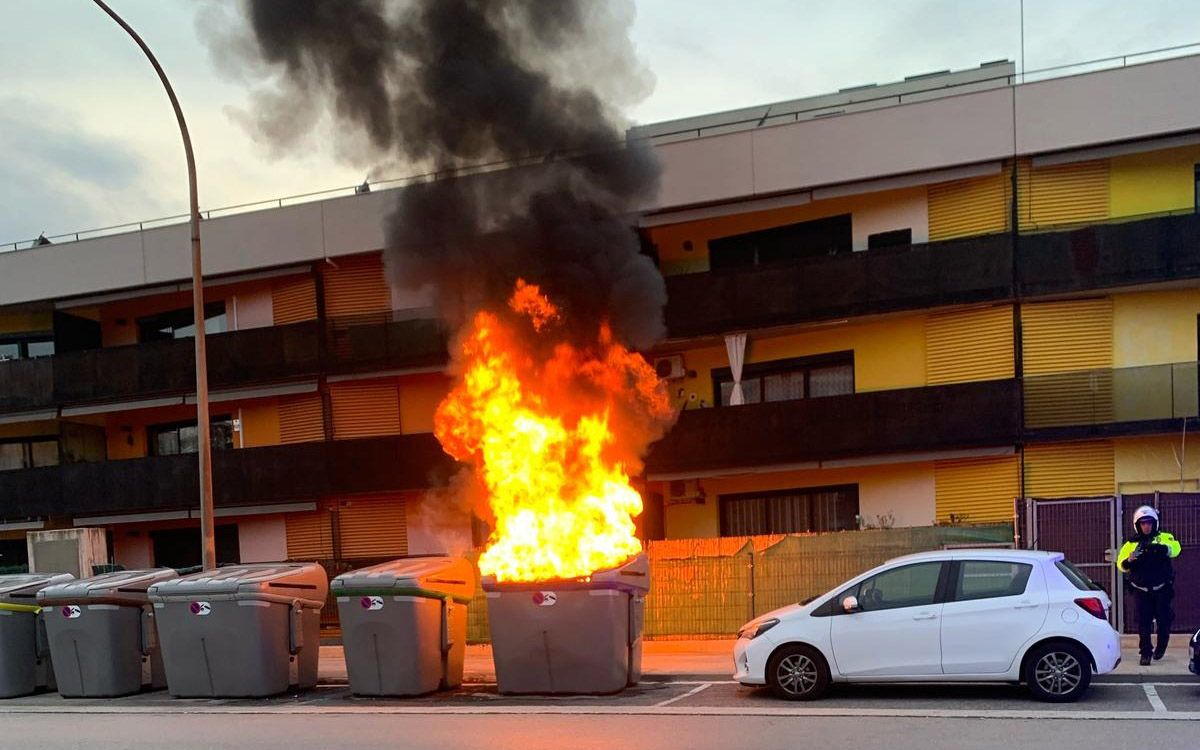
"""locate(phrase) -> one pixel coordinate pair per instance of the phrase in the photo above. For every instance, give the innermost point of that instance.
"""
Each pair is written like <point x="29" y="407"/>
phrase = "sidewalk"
<point x="713" y="660"/>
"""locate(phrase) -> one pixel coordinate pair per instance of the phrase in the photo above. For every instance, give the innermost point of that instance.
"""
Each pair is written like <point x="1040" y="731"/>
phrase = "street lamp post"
<point x="207" y="545"/>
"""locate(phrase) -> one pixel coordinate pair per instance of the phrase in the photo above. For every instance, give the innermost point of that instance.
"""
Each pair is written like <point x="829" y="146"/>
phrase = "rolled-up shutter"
<point x="309" y="535"/>
<point x="1062" y="194"/>
<point x="365" y="408"/>
<point x="969" y="345"/>
<point x="1068" y="350"/>
<point x="979" y="205"/>
<point x="355" y="286"/>
<point x="373" y="526"/>
<point x="293" y="300"/>
<point x="301" y="418"/>
<point x="1069" y="469"/>
<point x="977" y="490"/>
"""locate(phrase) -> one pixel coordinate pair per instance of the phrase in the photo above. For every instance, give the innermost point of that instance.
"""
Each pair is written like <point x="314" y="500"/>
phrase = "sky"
<point x="88" y="138"/>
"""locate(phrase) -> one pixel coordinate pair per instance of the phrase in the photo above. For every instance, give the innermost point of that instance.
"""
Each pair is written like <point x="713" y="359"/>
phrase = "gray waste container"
<point x="242" y="630"/>
<point x="404" y="624"/>
<point x="574" y="637"/>
<point x="25" y="665"/>
<point x="102" y="635"/>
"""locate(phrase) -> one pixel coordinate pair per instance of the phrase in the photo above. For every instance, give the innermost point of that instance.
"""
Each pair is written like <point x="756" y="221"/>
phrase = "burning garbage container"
<point x="577" y="636"/>
<point x="404" y="624"/>
<point x="25" y="665"/>
<point x="242" y="630"/>
<point x="102" y="634"/>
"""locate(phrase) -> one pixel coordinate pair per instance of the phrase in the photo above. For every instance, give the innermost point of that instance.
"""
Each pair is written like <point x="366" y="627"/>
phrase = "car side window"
<point x="989" y="579"/>
<point x="907" y="586"/>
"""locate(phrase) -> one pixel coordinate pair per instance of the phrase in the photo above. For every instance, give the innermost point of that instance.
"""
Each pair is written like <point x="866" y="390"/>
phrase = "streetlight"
<point x="208" y="551"/>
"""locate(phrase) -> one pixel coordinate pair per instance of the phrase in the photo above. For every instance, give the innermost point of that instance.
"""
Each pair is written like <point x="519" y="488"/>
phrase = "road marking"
<point x="688" y="694"/>
<point x="1155" y="701"/>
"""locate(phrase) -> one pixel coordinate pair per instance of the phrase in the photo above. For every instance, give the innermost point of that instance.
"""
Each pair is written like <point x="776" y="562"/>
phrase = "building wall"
<point x="1145" y="464"/>
<point x="260" y="423"/>
<point x="1152" y="328"/>
<point x="419" y="399"/>
<point x="262" y="538"/>
<point x="251" y="307"/>
<point x="903" y="491"/>
<point x="889" y="353"/>
<point x="132" y="547"/>
<point x="1154" y="181"/>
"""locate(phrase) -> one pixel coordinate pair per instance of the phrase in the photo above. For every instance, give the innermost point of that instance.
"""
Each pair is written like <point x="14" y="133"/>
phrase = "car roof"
<point x="979" y="553"/>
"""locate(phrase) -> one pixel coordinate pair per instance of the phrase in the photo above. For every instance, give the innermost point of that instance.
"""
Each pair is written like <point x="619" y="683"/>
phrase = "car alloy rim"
<point x="797" y="674"/>
<point x="1058" y="673"/>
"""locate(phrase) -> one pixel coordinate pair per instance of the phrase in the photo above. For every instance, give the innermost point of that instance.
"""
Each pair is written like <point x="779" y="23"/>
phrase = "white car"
<point x="988" y="615"/>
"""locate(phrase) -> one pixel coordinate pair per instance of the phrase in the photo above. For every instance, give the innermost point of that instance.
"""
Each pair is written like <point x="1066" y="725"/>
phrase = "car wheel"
<point x="798" y="673"/>
<point x="1058" y="672"/>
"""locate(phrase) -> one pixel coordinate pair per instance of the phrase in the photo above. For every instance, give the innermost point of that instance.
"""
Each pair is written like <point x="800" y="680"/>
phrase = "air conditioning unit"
<point x="684" y="492"/>
<point x="670" y="368"/>
<point x="72" y="551"/>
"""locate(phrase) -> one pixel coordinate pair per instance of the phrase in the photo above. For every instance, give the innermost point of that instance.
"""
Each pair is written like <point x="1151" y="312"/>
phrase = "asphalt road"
<point x="677" y="714"/>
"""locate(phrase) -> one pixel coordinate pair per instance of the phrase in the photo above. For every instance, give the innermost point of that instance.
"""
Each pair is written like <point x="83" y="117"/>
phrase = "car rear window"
<point x="1077" y="577"/>
<point x="989" y="579"/>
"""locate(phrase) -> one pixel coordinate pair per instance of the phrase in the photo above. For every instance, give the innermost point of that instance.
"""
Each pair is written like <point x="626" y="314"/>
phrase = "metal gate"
<point x="1090" y="530"/>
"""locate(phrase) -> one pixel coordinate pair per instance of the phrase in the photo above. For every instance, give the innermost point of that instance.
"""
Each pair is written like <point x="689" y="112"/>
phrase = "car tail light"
<point x="1094" y="606"/>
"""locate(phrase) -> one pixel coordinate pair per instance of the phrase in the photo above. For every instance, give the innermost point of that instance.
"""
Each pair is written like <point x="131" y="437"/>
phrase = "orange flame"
<point x="552" y="439"/>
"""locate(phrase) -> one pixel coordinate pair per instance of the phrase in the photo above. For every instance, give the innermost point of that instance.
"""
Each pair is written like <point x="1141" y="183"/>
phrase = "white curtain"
<point x="735" y="345"/>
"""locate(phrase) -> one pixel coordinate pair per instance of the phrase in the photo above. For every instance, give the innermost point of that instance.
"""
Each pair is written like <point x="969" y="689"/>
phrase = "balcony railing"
<point x="1106" y="255"/>
<point x="1112" y="401"/>
<point x="974" y="269"/>
<point x="788" y="432"/>
<point x="235" y="358"/>
<point x="250" y="476"/>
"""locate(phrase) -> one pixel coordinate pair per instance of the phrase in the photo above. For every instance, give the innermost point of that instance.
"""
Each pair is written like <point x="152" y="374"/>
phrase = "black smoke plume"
<point x="447" y="85"/>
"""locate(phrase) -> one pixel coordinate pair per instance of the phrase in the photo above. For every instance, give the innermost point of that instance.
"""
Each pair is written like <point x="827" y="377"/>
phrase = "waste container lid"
<point x="123" y="585"/>
<point x="307" y="581"/>
<point x="23" y="587"/>
<point x="632" y="576"/>
<point x="437" y="577"/>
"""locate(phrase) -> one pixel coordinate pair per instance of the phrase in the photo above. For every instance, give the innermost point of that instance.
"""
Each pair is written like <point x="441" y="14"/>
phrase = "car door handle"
<point x="1026" y="605"/>
<point x="925" y="616"/>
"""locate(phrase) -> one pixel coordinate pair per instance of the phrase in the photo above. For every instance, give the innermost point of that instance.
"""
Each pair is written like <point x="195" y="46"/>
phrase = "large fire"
<point x="552" y="431"/>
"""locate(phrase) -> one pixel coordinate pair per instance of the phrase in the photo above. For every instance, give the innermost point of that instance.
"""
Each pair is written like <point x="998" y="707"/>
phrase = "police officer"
<point x="1145" y="558"/>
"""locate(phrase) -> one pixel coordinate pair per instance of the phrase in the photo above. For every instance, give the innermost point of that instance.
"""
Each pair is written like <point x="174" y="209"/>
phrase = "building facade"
<point x="933" y="297"/>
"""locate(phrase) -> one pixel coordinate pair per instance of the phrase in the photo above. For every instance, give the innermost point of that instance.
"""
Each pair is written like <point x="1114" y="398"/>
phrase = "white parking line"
<point x="1155" y="701"/>
<point x="688" y="694"/>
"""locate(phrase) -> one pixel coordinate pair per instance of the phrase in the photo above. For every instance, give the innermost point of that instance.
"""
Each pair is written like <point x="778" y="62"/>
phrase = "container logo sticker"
<point x="545" y="598"/>
<point x="201" y="608"/>
<point x="372" y="603"/>
<point x="72" y="611"/>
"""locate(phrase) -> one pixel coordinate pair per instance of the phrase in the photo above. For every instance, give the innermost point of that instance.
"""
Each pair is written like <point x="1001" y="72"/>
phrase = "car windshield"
<point x="1077" y="577"/>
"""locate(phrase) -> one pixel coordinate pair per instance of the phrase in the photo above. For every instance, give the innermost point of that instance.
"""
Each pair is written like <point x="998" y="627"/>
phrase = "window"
<point x="985" y="579"/>
<point x="790" y="511"/>
<point x="179" y="324"/>
<point x="807" y="239"/>
<point x="908" y="586"/>
<point x="28" y="453"/>
<point x="180" y="548"/>
<point x="26" y="347"/>
<point x="180" y="437"/>
<point x="1077" y="577"/>
<point x="790" y="379"/>
<point x="894" y="238"/>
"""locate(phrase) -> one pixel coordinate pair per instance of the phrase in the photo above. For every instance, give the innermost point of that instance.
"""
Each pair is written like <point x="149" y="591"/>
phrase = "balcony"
<point x="963" y="415"/>
<point x="250" y="476"/>
<point x="1116" y="254"/>
<point x="236" y="358"/>
<point x="1105" y="402"/>
<point x="973" y="269"/>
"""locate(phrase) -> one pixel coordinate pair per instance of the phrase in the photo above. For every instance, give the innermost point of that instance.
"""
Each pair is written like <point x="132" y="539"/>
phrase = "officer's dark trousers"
<point x="1154" y="606"/>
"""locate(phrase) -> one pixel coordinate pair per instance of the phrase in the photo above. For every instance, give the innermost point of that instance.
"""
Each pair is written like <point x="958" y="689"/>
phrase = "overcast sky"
<point x="87" y="137"/>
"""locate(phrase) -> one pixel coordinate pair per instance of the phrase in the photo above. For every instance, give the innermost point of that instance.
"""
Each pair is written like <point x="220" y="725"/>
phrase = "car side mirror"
<point x="850" y="604"/>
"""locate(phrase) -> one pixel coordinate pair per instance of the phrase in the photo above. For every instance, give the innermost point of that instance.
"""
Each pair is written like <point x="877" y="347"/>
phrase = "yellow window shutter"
<point x="1068" y="355"/>
<point x="1062" y="194"/>
<point x="309" y="535"/>
<point x="365" y="408"/>
<point x="1069" y="469"/>
<point x="373" y="526"/>
<point x="301" y="418"/>
<point x="978" y="205"/>
<point x="294" y="300"/>
<point x="977" y="490"/>
<point x="969" y="345"/>
<point x="355" y="286"/>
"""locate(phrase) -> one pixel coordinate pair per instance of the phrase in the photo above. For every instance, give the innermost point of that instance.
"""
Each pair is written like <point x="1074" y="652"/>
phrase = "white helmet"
<point x="1143" y="513"/>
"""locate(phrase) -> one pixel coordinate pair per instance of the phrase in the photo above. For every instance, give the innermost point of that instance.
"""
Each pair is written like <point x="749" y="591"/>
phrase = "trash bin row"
<point x="253" y="630"/>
